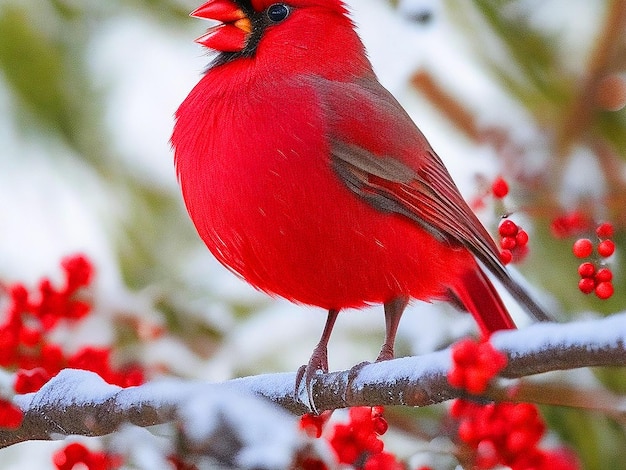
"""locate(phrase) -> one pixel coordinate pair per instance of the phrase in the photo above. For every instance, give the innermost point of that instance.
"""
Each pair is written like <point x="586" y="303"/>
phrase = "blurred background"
<point x="531" y="90"/>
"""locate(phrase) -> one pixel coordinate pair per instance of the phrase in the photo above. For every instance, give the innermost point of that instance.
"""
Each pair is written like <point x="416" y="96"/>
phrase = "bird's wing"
<point x="381" y="155"/>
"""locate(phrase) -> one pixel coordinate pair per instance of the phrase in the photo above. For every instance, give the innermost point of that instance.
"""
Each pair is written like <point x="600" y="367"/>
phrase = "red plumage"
<point x="304" y="176"/>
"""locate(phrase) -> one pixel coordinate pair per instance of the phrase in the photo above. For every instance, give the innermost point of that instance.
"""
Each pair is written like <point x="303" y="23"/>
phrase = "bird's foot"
<point x="317" y="365"/>
<point x="352" y="374"/>
<point x="386" y="353"/>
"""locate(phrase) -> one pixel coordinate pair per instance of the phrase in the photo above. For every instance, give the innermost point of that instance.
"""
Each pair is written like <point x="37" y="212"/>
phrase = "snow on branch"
<point x="79" y="402"/>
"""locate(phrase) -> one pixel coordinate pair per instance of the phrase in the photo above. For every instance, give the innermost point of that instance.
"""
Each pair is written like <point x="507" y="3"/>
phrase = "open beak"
<point x="231" y="34"/>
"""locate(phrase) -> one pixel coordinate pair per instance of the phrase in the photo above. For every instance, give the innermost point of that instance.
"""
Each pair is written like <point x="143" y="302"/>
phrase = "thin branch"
<point x="579" y="115"/>
<point x="79" y="402"/>
<point x="598" y="399"/>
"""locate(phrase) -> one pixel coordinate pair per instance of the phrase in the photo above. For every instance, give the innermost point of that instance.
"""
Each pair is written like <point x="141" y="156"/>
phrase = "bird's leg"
<point x="318" y="363"/>
<point x="393" y="313"/>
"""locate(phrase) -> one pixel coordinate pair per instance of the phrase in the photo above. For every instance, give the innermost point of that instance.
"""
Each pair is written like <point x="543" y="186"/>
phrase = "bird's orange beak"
<point x="231" y="34"/>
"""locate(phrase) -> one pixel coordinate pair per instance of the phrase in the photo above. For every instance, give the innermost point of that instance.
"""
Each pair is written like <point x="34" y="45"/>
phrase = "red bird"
<point x="305" y="177"/>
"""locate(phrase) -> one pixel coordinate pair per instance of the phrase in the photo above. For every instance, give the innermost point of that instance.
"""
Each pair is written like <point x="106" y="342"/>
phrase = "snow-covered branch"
<point x="79" y="402"/>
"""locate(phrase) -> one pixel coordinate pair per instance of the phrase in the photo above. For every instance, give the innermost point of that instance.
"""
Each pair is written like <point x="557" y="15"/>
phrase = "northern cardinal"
<point x="305" y="177"/>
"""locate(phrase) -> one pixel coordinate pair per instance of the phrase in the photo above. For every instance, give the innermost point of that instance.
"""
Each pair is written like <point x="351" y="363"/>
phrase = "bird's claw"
<point x="317" y="365"/>
<point x="386" y="353"/>
<point x="352" y="374"/>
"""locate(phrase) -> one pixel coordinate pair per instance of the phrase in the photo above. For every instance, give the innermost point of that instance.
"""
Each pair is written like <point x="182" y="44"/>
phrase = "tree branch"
<point x="577" y="119"/>
<point x="79" y="402"/>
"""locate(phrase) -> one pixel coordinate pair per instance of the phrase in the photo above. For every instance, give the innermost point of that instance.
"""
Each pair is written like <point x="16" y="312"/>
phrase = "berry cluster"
<point x="30" y="320"/>
<point x="30" y="317"/>
<point x="356" y="442"/>
<point x="507" y="434"/>
<point x="474" y="365"/>
<point x="513" y="241"/>
<point x="594" y="275"/>
<point x="27" y="322"/>
<point x="571" y="224"/>
<point x="497" y="433"/>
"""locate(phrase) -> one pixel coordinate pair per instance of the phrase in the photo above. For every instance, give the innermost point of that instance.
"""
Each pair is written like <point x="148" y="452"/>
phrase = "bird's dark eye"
<point x="277" y="12"/>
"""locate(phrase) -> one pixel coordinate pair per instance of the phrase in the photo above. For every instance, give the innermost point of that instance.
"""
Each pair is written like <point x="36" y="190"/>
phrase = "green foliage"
<point x="45" y="79"/>
<point x="598" y="440"/>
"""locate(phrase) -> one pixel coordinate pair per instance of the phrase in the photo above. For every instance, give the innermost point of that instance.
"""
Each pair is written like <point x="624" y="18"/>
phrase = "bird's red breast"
<point x="304" y="176"/>
<point x="258" y="179"/>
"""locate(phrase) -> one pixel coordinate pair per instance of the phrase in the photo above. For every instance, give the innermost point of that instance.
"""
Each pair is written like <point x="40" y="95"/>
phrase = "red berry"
<point x="605" y="230"/>
<point x="476" y="382"/>
<point x="586" y="269"/>
<point x="519" y="440"/>
<point x="521" y="238"/>
<point x="313" y="424"/>
<point x="459" y="407"/>
<point x="561" y="458"/>
<point x="456" y="377"/>
<point x="383" y="461"/>
<point x="523" y="413"/>
<point x="499" y="187"/>
<point x="604" y="290"/>
<point x="10" y="415"/>
<point x="582" y="248"/>
<point x="587" y="285"/>
<point x="467" y="431"/>
<point x="71" y="455"/>
<point x="506" y="256"/>
<point x="78" y="271"/>
<point x="52" y="358"/>
<point x="465" y="351"/>
<point x="29" y="336"/>
<point x="27" y="381"/>
<point x="604" y="275"/>
<point x="380" y="425"/>
<point x="508" y="243"/>
<point x="372" y="444"/>
<point x="606" y="248"/>
<point x="508" y="228"/>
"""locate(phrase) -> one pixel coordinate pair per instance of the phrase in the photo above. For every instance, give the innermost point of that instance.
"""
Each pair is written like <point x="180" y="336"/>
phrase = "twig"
<point x="578" y="117"/>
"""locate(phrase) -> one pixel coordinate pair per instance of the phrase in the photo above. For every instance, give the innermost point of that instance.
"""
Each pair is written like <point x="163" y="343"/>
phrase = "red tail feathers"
<point x="480" y="298"/>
